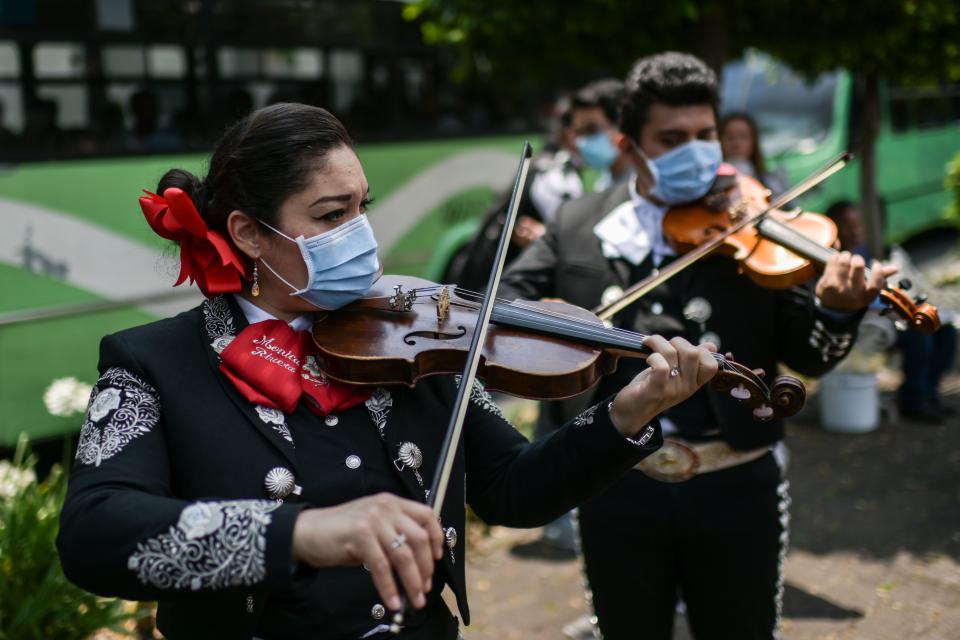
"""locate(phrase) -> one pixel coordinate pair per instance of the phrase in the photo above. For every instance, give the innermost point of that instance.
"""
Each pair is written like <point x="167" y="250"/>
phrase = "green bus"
<point x="99" y="97"/>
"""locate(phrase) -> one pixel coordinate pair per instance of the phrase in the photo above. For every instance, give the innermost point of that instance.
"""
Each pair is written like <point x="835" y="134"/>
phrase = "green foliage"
<point x="552" y="44"/>
<point x="908" y="41"/>
<point x="953" y="184"/>
<point x="36" y="600"/>
<point x="904" y="41"/>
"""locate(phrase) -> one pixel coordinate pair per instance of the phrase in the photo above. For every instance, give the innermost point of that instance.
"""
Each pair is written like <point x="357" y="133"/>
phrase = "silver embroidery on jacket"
<point x="482" y="398"/>
<point x="276" y="419"/>
<point x="586" y="417"/>
<point x="217" y="318"/>
<point x="214" y="545"/>
<point x="122" y="408"/>
<point x="830" y="345"/>
<point x="379" y="404"/>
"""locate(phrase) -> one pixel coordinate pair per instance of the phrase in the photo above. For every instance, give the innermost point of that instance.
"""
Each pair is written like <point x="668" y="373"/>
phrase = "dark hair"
<point x="261" y="161"/>
<point x="756" y="153"/>
<point x="671" y="78"/>
<point x="837" y="210"/>
<point x="605" y="94"/>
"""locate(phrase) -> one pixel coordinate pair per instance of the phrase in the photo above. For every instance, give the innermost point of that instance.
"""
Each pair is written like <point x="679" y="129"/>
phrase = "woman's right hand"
<point x="366" y="531"/>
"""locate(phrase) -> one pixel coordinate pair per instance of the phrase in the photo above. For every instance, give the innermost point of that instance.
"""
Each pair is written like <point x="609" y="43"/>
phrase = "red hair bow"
<point x="206" y="257"/>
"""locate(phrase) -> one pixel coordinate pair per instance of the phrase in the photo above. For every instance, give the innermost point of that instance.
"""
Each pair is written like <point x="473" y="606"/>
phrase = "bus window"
<point x="11" y="97"/>
<point x="923" y="108"/>
<point x="123" y="61"/>
<point x="791" y="112"/>
<point x="236" y="62"/>
<point x="346" y="71"/>
<point x="9" y="60"/>
<point x="71" y="104"/>
<point x="166" y="61"/>
<point x="303" y="64"/>
<point x="59" y="60"/>
<point x="11" y="113"/>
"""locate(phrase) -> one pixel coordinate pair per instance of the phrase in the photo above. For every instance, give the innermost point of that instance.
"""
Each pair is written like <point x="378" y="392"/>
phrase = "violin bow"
<point x="642" y="288"/>
<point x="441" y="479"/>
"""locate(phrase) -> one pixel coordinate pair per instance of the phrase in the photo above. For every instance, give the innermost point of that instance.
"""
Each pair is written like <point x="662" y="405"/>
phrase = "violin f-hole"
<point x="410" y="338"/>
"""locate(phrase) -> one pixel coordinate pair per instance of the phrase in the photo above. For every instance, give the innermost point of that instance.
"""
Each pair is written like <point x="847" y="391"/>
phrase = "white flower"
<point x="106" y="401"/>
<point x="200" y="519"/>
<point x="14" y="480"/>
<point x="66" y="396"/>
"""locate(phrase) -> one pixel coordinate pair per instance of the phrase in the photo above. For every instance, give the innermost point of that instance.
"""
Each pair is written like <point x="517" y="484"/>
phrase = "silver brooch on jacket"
<point x="279" y="482"/>
<point x="410" y="457"/>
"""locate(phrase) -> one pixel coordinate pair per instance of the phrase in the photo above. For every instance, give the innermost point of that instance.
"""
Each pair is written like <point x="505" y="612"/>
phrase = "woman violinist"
<point x="220" y="473"/>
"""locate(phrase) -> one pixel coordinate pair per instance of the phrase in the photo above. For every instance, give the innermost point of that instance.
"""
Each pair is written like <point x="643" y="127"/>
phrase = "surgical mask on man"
<point x="685" y="173"/>
<point x="341" y="263"/>
<point x="596" y="150"/>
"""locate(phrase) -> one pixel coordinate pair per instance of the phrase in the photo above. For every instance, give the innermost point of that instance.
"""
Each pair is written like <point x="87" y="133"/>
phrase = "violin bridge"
<point x="443" y="305"/>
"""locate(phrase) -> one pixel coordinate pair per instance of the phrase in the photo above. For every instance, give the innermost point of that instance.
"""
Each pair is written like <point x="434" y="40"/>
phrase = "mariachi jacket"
<point x="709" y="300"/>
<point x="184" y="492"/>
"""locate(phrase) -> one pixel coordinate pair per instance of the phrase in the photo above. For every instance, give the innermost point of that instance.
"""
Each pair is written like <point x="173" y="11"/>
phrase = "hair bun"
<point x="184" y="180"/>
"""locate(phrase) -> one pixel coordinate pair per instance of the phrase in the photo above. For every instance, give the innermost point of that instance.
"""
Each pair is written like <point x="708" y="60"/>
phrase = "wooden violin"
<point x="776" y="249"/>
<point x="408" y="328"/>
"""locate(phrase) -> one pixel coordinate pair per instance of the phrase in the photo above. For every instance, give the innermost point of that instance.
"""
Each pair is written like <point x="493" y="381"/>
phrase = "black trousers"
<point x="717" y="541"/>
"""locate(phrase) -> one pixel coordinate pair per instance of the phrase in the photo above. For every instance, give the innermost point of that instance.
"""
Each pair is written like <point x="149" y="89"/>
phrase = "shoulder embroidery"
<point x="379" y="405"/>
<point x="122" y="408"/>
<point x="217" y="318"/>
<point x="482" y="398"/>
<point x="213" y="545"/>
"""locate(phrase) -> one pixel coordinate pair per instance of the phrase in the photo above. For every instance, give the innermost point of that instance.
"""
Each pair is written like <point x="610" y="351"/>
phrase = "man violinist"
<point x="705" y="519"/>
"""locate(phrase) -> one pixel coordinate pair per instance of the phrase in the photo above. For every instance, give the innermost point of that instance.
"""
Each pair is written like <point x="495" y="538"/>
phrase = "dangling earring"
<point x="255" y="289"/>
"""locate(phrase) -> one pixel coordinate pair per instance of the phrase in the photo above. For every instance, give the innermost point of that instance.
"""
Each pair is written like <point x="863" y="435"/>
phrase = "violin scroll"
<point x="784" y="399"/>
<point x="920" y="314"/>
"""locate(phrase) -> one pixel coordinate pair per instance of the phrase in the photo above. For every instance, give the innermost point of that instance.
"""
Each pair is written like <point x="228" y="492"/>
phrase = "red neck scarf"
<point x="271" y="364"/>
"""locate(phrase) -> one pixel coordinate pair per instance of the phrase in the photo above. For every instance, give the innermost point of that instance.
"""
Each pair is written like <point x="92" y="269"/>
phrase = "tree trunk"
<point x="707" y="39"/>
<point x="869" y="201"/>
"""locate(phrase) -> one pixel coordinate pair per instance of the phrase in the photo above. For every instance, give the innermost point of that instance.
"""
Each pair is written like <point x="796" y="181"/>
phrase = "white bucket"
<point x="849" y="402"/>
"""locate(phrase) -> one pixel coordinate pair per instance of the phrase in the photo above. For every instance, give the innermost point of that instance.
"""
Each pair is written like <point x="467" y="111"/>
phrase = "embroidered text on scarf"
<point x="271" y="364"/>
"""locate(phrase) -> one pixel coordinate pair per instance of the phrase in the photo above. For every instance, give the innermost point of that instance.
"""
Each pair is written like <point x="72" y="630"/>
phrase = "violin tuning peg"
<point x="759" y="373"/>
<point x="905" y="284"/>
<point x="729" y="356"/>
<point x="920" y="299"/>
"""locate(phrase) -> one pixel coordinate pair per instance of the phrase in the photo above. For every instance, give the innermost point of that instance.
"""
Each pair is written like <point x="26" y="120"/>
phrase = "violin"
<point x="409" y="328"/>
<point x="774" y="248"/>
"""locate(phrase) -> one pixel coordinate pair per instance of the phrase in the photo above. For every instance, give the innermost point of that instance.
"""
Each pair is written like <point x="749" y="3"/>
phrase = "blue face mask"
<point x="342" y="264"/>
<point x="596" y="150"/>
<point x="686" y="173"/>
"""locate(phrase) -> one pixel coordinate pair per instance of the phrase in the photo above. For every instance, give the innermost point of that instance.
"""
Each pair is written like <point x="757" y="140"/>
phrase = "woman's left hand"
<point x="675" y="370"/>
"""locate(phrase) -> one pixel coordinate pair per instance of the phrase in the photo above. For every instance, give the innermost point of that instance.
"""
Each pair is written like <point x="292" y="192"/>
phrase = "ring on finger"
<point x="398" y="542"/>
<point x="674" y="372"/>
